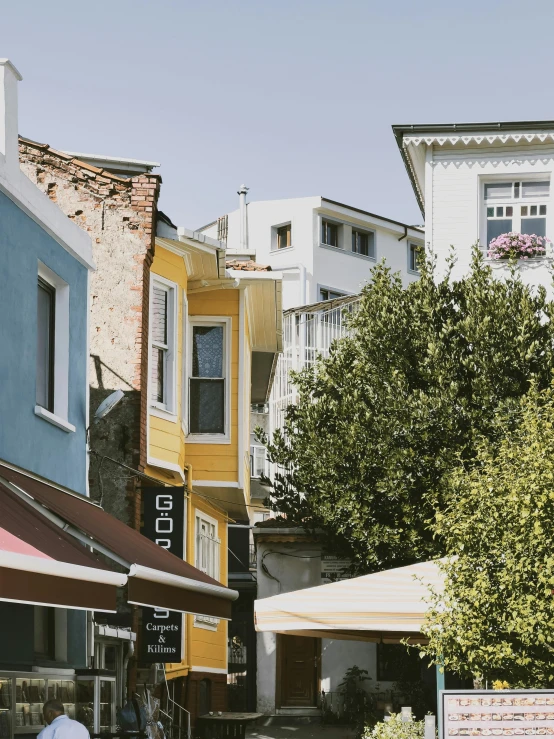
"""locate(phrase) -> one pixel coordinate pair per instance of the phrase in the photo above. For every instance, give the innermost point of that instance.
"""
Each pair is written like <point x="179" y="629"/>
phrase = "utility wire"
<point x="137" y="473"/>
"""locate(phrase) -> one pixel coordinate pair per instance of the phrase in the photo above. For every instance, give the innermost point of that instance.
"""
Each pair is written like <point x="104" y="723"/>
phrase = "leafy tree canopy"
<point x="397" y="404"/>
<point x="495" y="619"/>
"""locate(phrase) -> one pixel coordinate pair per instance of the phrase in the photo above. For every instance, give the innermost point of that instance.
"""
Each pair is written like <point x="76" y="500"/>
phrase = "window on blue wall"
<point x="46" y="336"/>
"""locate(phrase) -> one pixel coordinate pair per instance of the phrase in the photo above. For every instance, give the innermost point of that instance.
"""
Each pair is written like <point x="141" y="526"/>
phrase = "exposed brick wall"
<point x="120" y="216"/>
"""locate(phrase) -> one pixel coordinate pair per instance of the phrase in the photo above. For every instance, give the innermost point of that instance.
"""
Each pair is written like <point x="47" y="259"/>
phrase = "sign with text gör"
<point x="161" y="636"/>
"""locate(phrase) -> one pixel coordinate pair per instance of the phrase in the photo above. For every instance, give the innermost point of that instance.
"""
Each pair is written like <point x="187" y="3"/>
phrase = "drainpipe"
<point x="243" y="234"/>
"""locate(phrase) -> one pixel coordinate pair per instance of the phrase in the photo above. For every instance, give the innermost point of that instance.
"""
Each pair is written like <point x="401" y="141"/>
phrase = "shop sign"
<point x="496" y="713"/>
<point x="333" y="568"/>
<point x="161" y="636"/>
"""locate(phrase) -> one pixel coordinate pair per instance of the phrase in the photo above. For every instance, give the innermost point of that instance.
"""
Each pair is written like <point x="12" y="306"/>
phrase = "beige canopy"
<point x="386" y="606"/>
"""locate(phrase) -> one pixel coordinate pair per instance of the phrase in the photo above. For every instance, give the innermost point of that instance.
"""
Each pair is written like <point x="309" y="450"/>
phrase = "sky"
<point x="291" y="97"/>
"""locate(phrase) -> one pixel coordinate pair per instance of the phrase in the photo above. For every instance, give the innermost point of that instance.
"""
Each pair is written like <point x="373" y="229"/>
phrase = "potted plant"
<point x="517" y="246"/>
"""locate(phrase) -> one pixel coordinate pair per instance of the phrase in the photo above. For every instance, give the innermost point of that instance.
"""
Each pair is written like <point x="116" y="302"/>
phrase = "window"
<point x="207" y="556"/>
<point x="52" y="358"/>
<point x="363" y="242"/>
<point x="326" y="293"/>
<point x="46" y="333"/>
<point x="207" y="546"/>
<point x="208" y="374"/>
<point x="258" y="461"/>
<point x="284" y="236"/>
<point x="329" y="233"/>
<point x="413" y="250"/>
<point x="516" y="206"/>
<point x="162" y="346"/>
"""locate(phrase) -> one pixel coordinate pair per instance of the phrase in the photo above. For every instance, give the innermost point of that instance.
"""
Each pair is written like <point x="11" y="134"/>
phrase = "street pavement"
<point x="294" y="730"/>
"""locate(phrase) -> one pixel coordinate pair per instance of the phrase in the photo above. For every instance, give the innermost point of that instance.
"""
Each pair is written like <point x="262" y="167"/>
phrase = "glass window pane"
<point x="516" y="189"/>
<point x="45" y="346"/>
<point x="498" y="190"/>
<point x="207" y="351"/>
<point x="495" y="228"/>
<point x="524" y="210"/>
<point x="535" y="189"/>
<point x="542" y="210"/>
<point x="499" y="212"/>
<point x="533" y="210"/>
<point x="490" y="212"/>
<point x="509" y="211"/>
<point x="207" y="402"/>
<point x="535" y="226"/>
<point x="158" y="374"/>
<point x="159" y="318"/>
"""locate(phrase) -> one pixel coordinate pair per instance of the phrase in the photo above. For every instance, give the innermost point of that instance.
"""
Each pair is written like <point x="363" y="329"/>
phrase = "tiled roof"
<point x="70" y="159"/>
<point x="247" y="265"/>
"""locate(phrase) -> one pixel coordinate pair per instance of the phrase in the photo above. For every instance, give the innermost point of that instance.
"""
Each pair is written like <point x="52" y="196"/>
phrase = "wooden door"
<point x="299" y="670"/>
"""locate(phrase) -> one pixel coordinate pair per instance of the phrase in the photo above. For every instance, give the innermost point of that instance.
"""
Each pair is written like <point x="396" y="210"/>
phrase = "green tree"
<point x="495" y="618"/>
<point x="399" y="401"/>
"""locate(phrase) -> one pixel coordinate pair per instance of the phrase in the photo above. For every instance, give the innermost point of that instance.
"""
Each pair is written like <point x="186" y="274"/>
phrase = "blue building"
<point x="45" y="261"/>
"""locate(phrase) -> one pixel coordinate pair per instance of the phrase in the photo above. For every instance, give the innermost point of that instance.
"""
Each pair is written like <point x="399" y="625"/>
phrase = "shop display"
<point x="95" y="705"/>
<point x="22" y="696"/>
<point x="498" y="713"/>
<point x="5" y="708"/>
<point x="30" y="695"/>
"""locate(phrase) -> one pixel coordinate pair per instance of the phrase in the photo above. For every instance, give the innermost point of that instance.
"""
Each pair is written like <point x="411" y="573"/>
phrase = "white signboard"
<point x="333" y="568"/>
<point x="497" y="713"/>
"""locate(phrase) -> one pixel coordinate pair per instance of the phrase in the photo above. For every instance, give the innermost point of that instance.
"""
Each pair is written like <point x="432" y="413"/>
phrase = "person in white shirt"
<point x="60" y="726"/>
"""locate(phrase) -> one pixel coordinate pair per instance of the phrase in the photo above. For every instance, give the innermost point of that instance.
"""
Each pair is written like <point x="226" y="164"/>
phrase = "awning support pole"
<point x="440" y="686"/>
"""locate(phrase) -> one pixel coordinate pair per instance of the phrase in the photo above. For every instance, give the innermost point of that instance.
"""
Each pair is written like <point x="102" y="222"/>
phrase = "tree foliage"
<point x="495" y="619"/>
<point x="403" y="398"/>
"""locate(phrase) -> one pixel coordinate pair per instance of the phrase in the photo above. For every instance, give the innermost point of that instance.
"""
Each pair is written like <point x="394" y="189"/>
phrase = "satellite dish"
<point x="108" y="404"/>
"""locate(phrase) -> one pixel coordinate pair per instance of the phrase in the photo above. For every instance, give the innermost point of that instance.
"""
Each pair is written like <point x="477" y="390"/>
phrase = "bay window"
<point x="519" y="206"/>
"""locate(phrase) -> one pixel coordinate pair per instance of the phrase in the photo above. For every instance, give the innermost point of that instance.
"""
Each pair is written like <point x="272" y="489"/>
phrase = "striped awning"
<point x="386" y="606"/>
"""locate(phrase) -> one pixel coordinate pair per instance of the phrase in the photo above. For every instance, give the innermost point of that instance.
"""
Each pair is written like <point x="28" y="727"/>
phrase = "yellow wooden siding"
<point x="165" y="438"/>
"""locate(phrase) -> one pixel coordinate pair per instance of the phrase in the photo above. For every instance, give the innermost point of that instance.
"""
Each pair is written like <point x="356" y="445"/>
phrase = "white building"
<point x="474" y="181"/>
<point x="325" y="249"/>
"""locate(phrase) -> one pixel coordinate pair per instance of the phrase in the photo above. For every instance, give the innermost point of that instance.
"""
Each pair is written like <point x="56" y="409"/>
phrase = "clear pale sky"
<point x="291" y="97"/>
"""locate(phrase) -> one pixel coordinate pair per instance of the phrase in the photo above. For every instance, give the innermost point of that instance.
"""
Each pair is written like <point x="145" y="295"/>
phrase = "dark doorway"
<point x="299" y="671"/>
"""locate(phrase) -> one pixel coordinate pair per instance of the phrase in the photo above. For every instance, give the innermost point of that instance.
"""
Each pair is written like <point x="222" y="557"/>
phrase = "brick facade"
<point x="120" y="216"/>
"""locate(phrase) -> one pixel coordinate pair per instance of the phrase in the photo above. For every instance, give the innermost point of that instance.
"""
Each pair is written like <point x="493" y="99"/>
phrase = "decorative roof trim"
<point x="478" y="138"/>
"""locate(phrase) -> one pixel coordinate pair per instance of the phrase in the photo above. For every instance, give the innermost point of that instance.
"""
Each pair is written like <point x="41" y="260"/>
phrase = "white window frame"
<point x="412" y="244"/>
<point x="515" y="202"/>
<point x="60" y="416"/>
<point x="206" y="622"/>
<point x="275" y="237"/>
<point x="338" y="225"/>
<point x="168" y="408"/>
<point x="369" y="232"/>
<point x="184" y="371"/>
<point x="227" y="323"/>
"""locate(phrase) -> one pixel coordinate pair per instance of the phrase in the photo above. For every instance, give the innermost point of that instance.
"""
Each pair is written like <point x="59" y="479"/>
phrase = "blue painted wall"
<point x="26" y="440"/>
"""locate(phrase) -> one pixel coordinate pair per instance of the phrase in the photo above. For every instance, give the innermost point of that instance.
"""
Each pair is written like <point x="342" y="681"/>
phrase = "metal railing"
<point x="307" y="335"/>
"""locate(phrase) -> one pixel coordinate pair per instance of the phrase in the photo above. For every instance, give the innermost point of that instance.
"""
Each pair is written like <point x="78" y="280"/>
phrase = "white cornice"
<point x="476" y="138"/>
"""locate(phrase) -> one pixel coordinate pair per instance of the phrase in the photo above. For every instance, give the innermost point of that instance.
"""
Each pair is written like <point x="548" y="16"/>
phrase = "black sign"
<point x="164" y="523"/>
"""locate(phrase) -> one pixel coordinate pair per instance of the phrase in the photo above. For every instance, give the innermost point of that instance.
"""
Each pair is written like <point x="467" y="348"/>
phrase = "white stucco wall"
<point x="455" y="176"/>
<point x="295" y="573"/>
<point x="336" y="268"/>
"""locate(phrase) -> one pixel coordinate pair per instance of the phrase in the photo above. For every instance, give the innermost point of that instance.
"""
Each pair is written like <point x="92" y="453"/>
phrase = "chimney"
<point x="9" y="143"/>
<point x="243" y="245"/>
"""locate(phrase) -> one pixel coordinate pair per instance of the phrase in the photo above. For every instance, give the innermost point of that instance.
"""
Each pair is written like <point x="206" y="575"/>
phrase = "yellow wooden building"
<point x="215" y="325"/>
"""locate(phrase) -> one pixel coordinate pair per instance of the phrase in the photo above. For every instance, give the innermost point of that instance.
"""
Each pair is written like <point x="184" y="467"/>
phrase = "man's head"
<point x="52" y="709"/>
